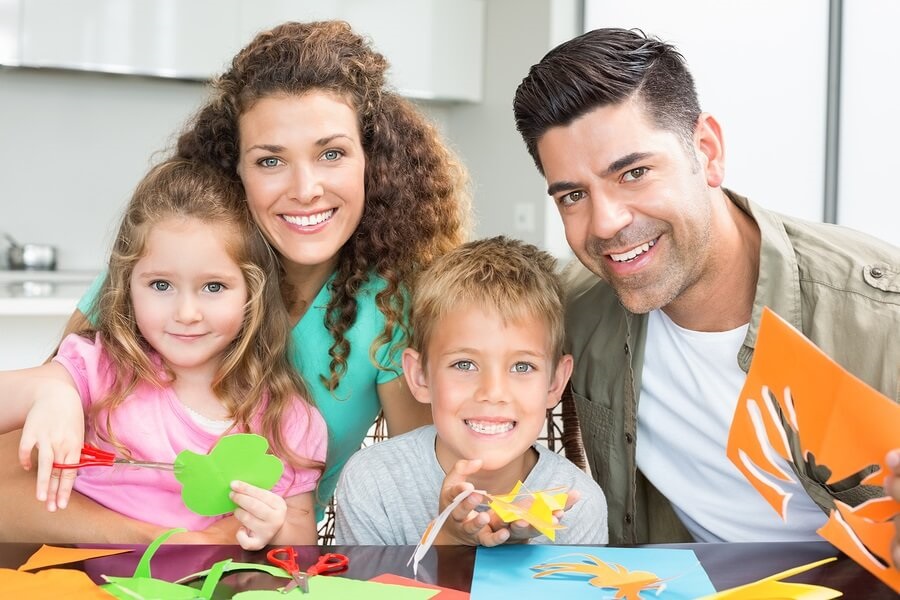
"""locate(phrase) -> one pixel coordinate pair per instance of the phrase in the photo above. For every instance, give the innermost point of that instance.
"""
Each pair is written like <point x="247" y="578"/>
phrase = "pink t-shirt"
<point x="155" y="426"/>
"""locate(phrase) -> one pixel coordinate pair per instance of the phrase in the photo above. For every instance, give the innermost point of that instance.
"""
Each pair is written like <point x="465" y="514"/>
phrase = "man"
<point x="678" y="270"/>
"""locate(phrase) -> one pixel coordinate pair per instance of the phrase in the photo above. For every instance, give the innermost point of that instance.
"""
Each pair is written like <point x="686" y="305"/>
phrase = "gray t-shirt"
<point x="388" y="493"/>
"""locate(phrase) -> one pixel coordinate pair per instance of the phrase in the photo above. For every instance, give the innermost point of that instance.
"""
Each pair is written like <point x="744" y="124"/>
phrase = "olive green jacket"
<point x="841" y="288"/>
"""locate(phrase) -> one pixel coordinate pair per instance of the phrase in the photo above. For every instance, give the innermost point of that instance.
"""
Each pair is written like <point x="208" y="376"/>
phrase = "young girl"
<point x="190" y="342"/>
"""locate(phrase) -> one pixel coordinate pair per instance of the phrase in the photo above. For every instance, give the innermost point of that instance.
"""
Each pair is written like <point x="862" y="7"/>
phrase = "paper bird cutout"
<point x="49" y="556"/>
<point x="50" y="584"/>
<point x="824" y="405"/>
<point x="628" y="585"/>
<point x="539" y="514"/>
<point x="771" y="588"/>
<point x="206" y="478"/>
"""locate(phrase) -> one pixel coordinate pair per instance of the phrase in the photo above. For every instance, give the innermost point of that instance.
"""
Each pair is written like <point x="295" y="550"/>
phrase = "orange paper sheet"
<point x="842" y="422"/>
<point x="50" y="584"/>
<point x="445" y="593"/>
<point x="49" y="556"/>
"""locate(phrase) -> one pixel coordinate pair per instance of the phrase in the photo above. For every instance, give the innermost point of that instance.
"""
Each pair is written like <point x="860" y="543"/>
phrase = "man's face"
<point x="634" y="200"/>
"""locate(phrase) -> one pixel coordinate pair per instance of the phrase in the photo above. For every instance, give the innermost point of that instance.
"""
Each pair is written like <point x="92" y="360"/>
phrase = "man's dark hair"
<point x="606" y="67"/>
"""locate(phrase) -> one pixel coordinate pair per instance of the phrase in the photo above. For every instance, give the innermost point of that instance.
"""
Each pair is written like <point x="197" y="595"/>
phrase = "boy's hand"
<point x="521" y="531"/>
<point x="260" y="512"/>
<point x="465" y="525"/>
<point x="55" y="425"/>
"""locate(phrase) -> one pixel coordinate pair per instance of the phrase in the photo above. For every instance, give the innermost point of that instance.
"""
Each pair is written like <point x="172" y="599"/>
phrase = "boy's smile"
<point x="490" y="384"/>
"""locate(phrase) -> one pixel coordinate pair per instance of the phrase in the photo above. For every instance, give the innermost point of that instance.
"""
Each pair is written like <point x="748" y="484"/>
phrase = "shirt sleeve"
<point x="87" y="364"/>
<point x="90" y="296"/>
<point x="360" y="514"/>
<point x="305" y="431"/>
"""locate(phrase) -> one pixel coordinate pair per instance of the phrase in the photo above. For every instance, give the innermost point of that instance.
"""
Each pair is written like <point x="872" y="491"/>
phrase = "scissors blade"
<point x="298" y="580"/>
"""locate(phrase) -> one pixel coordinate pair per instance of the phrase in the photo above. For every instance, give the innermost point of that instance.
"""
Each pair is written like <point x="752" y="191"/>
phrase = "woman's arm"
<point x="402" y="411"/>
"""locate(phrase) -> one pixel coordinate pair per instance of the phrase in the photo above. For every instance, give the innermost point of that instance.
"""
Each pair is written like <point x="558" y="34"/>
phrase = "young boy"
<point x="486" y="353"/>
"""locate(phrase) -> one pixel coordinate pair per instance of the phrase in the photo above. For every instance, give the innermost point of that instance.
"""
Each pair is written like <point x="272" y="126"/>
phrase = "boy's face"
<point x="489" y="384"/>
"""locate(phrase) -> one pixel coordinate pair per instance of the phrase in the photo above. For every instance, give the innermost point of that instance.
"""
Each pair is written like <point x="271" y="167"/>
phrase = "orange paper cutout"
<point x="824" y="404"/>
<point x="445" y="593"/>
<point x="771" y="588"/>
<point x="628" y="585"/>
<point x="50" y="584"/>
<point x="49" y="556"/>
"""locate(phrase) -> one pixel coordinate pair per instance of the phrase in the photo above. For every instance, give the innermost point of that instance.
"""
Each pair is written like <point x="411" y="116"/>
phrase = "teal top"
<point x="351" y="409"/>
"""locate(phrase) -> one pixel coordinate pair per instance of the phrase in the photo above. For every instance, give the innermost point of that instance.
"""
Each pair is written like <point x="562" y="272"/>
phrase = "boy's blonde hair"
<point x="515" y="279"/>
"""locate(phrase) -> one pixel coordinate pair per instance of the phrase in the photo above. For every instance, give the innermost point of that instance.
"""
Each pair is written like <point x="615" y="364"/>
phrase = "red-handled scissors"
<point x="286" y="558"/>
<point x="95" y="457"/>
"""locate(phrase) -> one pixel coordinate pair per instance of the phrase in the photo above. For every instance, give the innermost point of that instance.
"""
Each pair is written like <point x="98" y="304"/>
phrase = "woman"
<point x="353" y="188"/>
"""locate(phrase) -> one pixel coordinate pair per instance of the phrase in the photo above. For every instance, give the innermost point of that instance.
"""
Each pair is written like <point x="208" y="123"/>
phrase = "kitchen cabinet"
<point x="435" y="46"/>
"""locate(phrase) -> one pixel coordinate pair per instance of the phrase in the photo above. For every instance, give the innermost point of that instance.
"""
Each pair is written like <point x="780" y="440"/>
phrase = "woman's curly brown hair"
<point x="417" y="204"/>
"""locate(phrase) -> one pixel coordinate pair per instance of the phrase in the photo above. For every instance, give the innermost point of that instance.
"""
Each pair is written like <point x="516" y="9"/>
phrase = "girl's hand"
<point x="465" y="525"/>
<point x="260" y="512"/>
<point x="55" y="425"/>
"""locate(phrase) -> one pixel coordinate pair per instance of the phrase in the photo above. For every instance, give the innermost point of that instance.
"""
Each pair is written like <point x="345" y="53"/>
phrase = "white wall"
<point x="760" y="67"/>
<point x="73" y="146"/>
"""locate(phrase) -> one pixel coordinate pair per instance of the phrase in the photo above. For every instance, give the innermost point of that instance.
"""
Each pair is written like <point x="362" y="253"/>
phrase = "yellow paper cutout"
<point x="628" y="585"/>
<point x="48" y="556"/>
<point x="50" y="584"/>
<point x="771" y="588"/>
<point x="539" y="514"/>
<point x="824" y="404"/>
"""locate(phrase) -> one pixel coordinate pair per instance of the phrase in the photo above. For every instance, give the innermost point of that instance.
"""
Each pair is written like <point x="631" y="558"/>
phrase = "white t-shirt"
<point x="690" y="386"/>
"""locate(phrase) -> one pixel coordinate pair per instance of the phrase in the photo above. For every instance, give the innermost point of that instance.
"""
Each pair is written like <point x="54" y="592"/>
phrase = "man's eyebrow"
<point x="614" y="167"/>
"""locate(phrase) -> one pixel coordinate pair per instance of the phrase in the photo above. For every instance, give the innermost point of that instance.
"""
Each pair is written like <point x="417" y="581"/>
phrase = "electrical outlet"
<point x="523" y="216"/>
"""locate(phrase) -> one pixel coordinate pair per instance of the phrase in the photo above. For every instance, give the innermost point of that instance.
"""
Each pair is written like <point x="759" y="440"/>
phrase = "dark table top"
<point x="727" y="565"/>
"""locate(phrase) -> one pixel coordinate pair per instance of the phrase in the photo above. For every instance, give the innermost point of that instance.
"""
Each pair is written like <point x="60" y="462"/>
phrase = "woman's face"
<point x="302" y="165"/>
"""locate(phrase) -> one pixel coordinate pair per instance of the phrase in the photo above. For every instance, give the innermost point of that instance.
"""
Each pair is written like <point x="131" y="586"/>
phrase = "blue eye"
<point x="464" y="365"/>
<point x="268" y="162"/>
<point x="331" y="155"/>
<point x="522" y="367"/>
<point x="160" y="286"/>
<point x="214" y="287"/>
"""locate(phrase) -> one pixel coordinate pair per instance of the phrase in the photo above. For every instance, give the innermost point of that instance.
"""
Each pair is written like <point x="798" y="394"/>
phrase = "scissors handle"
<point x="329" y="564"/>
<point x="90" y="457"/>
<point x="284" y="557"/>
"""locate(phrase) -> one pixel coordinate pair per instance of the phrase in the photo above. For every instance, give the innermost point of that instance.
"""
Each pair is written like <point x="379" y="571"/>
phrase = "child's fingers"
<point x="26" y="447"/>
<point x="256" y="500"/>
<point x="248" y="541"/>
<point x="487" y="537"/>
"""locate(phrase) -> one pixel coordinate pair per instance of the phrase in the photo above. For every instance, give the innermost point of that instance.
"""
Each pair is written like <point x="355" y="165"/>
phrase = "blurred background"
<point x="93" y="91"/>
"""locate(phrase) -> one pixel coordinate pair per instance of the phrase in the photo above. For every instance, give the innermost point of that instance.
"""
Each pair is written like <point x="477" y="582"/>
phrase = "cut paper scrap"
<point x="443" y="592"/>
<point x="772" y="588"/>
<point x="49" y="556"/>
<point x="843" y="423"/>
<point x="539" y="514"/>
<point x="206" y="478"/>
<point x="341" y="588"/>
<point x="50" y="584"/>
<point x="509" y="572"/>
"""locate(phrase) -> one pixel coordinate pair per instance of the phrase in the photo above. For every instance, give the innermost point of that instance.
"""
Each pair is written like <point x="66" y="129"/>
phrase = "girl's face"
<point x="189" y="294"/>
<point x="302" y="165"/>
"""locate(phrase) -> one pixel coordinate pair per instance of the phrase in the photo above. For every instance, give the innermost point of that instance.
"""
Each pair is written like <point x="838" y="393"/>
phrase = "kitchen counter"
<point x="42" y="293"/>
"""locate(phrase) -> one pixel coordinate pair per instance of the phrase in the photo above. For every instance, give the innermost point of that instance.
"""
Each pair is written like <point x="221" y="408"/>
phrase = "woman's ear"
<point x="559" y="380"/>
<point x="416" y="379"/>
<point x="711" y="147"/>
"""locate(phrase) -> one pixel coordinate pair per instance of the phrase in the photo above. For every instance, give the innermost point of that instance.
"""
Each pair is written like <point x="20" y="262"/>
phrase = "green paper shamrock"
<point x="206" y="479"/>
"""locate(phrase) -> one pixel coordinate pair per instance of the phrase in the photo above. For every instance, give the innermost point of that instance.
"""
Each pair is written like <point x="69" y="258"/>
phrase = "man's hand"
<point x="892" y="489"/>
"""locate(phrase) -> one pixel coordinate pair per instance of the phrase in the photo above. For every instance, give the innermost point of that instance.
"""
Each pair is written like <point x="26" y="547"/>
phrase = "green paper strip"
<point x="236" y="566"/>
<point x="215" y="574"/>
<point x="143" y="567"/>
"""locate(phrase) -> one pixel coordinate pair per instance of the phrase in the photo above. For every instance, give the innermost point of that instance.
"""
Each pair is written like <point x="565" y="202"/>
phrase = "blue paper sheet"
<point x="506" y="572"/>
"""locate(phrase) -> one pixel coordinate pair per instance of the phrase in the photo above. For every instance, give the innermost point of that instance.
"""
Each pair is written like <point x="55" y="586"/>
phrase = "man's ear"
<point x="559" y="380"/>
<point x="414" y="372"/>
<point x="711" y="147"/>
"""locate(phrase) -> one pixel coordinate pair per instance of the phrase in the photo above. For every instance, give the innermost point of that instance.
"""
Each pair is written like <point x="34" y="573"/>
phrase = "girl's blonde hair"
<point x="512" y="278"/>
<point x="255" y="379"/>
<point x="417" y="204"/>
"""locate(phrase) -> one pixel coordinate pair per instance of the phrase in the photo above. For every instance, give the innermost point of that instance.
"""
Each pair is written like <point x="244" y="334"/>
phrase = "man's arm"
<point x="25" y="519"/>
